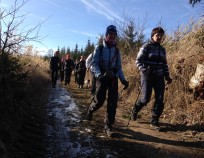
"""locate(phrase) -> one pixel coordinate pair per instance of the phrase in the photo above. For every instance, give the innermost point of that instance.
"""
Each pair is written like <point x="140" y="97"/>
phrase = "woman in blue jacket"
<point x="152" y="63"/>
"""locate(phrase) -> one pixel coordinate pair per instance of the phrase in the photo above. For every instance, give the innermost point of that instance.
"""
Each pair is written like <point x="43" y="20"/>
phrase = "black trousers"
<point x="67" y="76"/>
<point x="54" y="77"/>
<point x="109" y="86"/>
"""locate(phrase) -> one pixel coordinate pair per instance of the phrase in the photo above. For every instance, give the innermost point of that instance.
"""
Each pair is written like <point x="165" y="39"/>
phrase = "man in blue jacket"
<point x="107" y="68"/>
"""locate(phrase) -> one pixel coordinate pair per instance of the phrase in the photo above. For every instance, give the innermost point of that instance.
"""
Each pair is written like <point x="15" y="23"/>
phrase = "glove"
<point x="101" y="77"/>
<point x="168" y="79"/>
<point x="145" y="71"/>
<point x="109" y="74"/>
<point x="125" y="83"/>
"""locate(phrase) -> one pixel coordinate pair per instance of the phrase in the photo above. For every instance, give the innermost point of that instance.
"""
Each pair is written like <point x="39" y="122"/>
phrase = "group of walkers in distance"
<point x="105" y="67"/>
<point x="65" y="66"/>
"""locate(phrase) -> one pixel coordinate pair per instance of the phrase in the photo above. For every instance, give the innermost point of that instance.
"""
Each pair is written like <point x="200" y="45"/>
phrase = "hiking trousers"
<point x="54" y="77"/>
<point x="149" y="82"/>
<point x="109" y="86"/>
<point x="67" y="76"/>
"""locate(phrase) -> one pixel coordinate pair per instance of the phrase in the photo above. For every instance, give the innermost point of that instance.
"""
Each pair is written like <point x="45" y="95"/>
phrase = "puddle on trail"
<point x="65" y="138"/>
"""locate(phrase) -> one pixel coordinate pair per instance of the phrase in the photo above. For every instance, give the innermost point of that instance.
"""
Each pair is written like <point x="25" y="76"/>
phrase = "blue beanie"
<point x="111" y="28"/>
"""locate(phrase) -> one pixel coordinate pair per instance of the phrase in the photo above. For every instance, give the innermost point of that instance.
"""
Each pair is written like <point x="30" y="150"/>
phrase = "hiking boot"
<point x="108" y="131"/>
<point x="155" y="127"/>
<point x="88" y="116"/>
<point x="134" y="116"/>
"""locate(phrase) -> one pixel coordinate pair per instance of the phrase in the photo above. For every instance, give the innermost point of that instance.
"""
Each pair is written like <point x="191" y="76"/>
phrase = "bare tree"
<point x="12" y="34"/>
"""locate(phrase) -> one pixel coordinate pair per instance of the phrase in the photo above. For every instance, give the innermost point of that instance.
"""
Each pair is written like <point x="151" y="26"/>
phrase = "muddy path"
<point x="67" y="137"/>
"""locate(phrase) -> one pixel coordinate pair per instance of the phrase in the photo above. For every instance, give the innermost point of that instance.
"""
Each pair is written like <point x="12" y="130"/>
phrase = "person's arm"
<point x="88" y="61"/>
<point x="141" y="58"/>
<point x="166" y="69"/>
<point x="120" y="73"/>
<point x="95" y="62"/>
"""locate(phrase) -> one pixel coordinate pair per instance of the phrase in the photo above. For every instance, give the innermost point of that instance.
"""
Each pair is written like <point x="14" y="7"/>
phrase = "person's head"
<point x="57" y="53"/>
<point x="68" y="56"/>
<point x="157" y="34"/>
<point x="82" y="58"/>
<point x="111" y="34"/>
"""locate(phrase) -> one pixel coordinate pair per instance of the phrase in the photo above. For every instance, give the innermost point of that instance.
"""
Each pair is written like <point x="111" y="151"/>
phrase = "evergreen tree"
<point x="62" y="52"/>
<point x="89" y="48"/>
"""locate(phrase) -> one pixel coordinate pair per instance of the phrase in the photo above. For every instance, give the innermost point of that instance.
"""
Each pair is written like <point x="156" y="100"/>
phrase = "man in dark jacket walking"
<point x="81" y="71"/>
<point x="55" y="67"/>
<point x="69" y="66"/>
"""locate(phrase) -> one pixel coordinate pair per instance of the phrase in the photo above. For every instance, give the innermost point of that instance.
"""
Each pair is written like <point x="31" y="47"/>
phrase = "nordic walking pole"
<point x="92" y="99"/>
<point x="136" y="102"/>
<point x="133" y="107"/>
<point x="120" y="93"/>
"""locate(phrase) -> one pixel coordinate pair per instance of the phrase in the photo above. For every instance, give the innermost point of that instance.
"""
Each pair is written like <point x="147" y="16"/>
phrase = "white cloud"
<point x="84" y="33"/>
<point x="52" y="3"/>
<point x="101" y="8"/>
<point x="37" y="17"/>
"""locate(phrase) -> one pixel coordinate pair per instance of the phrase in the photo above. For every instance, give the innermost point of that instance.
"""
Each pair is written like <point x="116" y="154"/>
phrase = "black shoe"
<point x="88" y="116"/>
<point x="108" y="131"/>
<point x="134" y="116"/>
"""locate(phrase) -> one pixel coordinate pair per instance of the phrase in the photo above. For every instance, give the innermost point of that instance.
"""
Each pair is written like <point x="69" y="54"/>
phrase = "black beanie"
<point x="111" y="28"/>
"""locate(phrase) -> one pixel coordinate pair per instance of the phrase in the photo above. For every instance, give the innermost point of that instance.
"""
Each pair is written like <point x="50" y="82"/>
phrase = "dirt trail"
<point x="139" y="140"/>
<point x="67" y="137"/>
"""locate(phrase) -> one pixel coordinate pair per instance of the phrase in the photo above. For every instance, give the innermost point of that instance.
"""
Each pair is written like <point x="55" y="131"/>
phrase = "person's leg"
<point x="98" y="100"/>
<point x="145" y="92"/>
<point x="66" y="76"/>
<point x="55" y="77"/>
<point x="111" y="102"/>
<point x="52" y="78"/>
<point x="82" y="78"/>
<point x="159" y="87"/>
<point x="69" y="76"/>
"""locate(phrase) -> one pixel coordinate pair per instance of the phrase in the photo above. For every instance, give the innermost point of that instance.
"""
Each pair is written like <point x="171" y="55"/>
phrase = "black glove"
<point x="168" y="79"/>
<point x="101" y="77"/>
<point x="125" y="83"/>
<point x="109" y="74"/>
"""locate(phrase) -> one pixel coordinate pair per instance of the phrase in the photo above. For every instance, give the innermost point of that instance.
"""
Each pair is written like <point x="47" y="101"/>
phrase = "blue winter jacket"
<point x="108" y="59"/>
<point x="152" y="56"/>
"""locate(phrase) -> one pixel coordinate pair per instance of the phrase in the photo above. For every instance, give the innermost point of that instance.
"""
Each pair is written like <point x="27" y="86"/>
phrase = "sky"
<point x="66" y="23"/>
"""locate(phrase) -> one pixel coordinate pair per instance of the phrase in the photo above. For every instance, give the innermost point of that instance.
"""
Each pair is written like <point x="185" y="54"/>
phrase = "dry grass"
<point x="22" y="108"/>
<point x="183" y="56"/>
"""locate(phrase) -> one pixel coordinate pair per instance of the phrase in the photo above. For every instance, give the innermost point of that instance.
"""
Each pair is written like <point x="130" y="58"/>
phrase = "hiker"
<point x="90" y="71"/>
<point x="81" y="71"/>
<point x="62" y="69"/>
<point x="107" y="69"/>
<point x="152" y="63"/>
<point x="69" y="66"/>
<point x="55" y="67"/>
